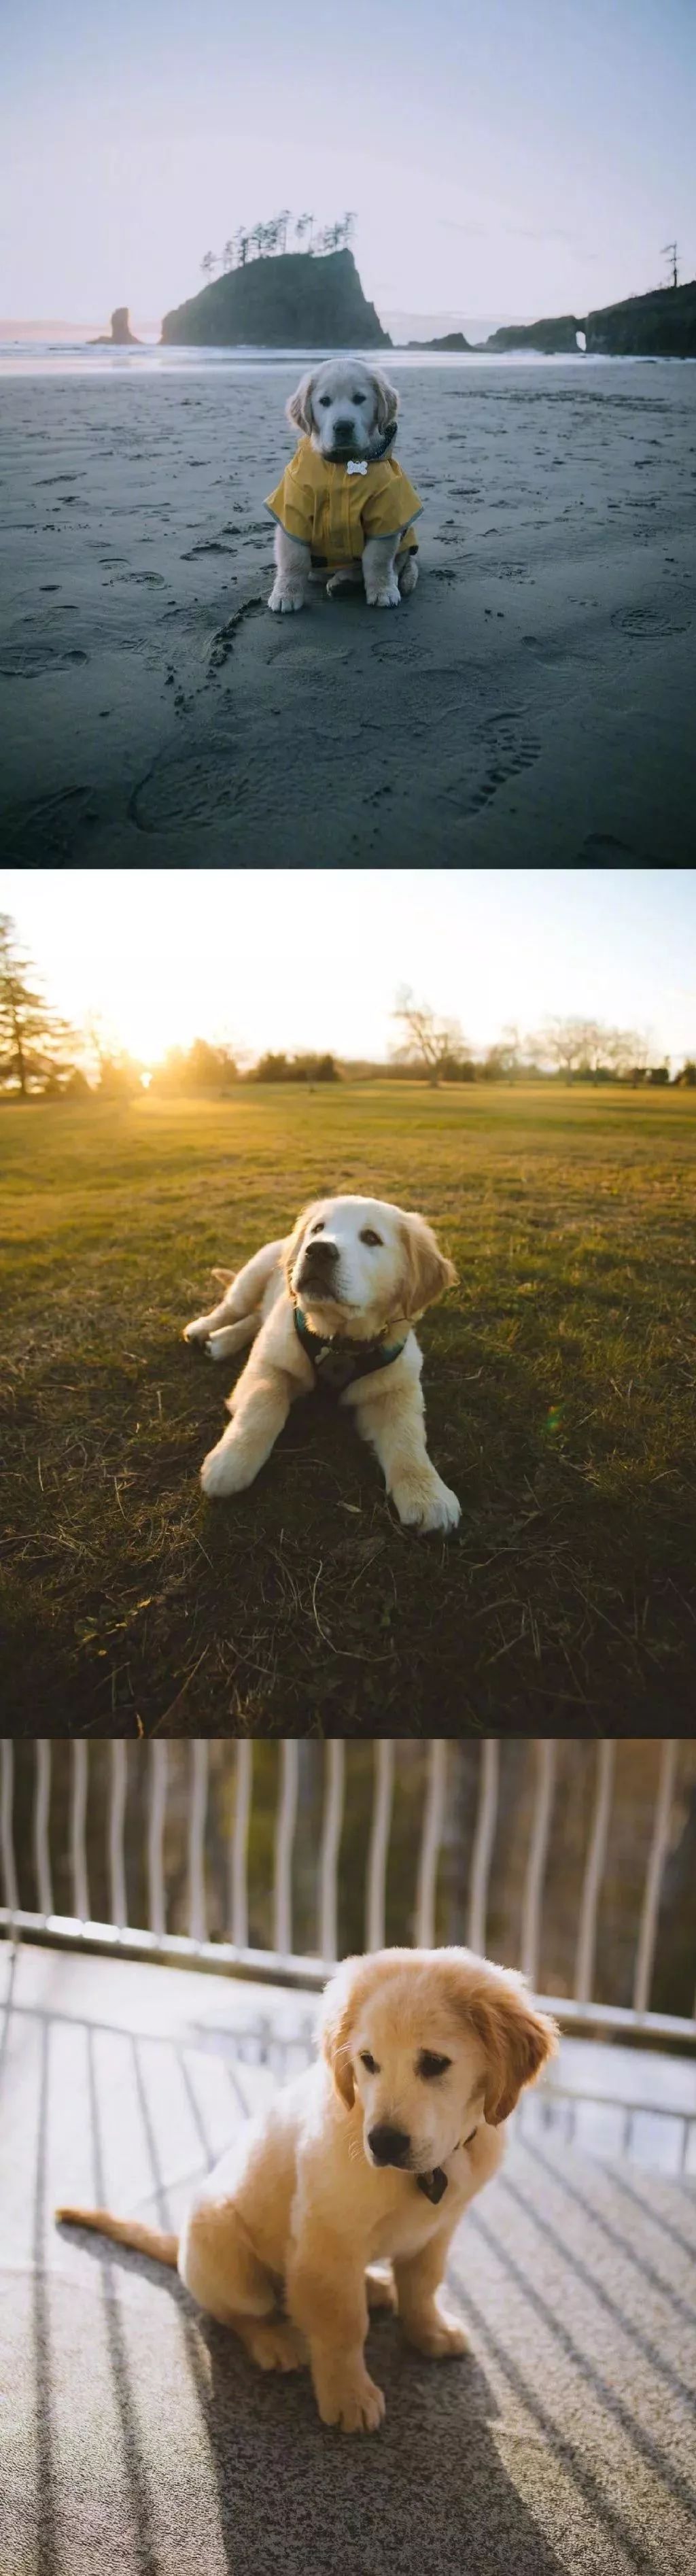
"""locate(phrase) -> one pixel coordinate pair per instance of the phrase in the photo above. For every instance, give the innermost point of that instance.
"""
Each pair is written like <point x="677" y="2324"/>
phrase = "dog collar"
<point x="376" y="455"/>
<point x="338" y="1360"/>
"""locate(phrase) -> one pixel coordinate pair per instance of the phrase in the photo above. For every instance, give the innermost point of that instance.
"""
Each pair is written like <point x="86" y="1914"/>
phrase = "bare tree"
<point x="209" y="263"/>
<point x="425" y="1040"/>
<point x="228" y="255"/>
<point x="36" y="1047"/>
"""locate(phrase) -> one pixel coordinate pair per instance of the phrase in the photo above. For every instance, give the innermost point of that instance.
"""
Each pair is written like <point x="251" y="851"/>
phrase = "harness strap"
<point x="337" y="1360"/>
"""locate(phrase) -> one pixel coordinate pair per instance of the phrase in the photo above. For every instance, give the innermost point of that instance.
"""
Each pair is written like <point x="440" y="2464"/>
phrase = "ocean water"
<point x="65" y="358"/>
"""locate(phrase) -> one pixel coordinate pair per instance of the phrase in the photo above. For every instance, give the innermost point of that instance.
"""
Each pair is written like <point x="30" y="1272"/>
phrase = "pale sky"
<point x="290" y="960"/>
<point x="507" y="159"/>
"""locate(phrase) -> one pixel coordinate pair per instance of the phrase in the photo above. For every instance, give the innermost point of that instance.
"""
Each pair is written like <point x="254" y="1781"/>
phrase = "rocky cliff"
<point x="296" y="301"/>
<point x="660" y="325"/>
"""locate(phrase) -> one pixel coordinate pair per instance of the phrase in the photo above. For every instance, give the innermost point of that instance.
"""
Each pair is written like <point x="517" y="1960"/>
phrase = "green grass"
<point x="559" y="1380"/>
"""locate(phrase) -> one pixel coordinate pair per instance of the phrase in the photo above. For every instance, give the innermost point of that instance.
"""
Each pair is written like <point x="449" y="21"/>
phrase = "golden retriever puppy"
<point x="371" y="2155"/>
<point x="334" y="1305"/>
<point x="344" y="511"/>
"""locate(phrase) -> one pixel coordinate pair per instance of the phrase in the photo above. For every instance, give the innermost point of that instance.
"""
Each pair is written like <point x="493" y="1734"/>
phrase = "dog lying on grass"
<point x="343" y="509"/>
<point x="334" y="1305"/>
<point x="371" y="2154"/>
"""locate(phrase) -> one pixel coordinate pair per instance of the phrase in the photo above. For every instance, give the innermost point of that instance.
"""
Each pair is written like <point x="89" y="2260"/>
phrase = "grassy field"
<point x="559" y="1381"/>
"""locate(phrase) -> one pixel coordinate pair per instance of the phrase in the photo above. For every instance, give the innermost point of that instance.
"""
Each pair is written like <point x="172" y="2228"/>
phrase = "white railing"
<point x="98" y="1820"/>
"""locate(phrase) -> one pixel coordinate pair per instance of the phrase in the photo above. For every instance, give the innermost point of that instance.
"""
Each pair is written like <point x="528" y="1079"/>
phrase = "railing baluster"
<point x="78" y="1813"/>
<point x="239" y="1890"/>
<point x="284" y="1839"/>
<point x="594" y="1873"/>
<point x="431" y="1841"/>
<point x="334" y="1791"/>
<point x="42" y="1857"/>
<point x="379" y="1844"/>
<point x="157" y="1903"/>
<point x="9" y="1872"/>
<point x="534" y="1885"/>
<point x="483" y="1844"/>
<point x="117" y="1813"/>
<point x="196" y="1839"/>
<point x="653" y="1879"/>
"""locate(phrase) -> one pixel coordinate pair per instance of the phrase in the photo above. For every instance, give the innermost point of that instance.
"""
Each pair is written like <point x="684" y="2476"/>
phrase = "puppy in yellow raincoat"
<point x="343" y="510"/>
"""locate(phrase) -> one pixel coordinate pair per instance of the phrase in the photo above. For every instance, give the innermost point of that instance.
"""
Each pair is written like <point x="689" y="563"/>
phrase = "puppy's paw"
<point x="389" y="597"/>
<point x="276" y="2346"/>
<point x="424" y="1503"/>
<point x="223" y="1472"/>
<point x="285" y="599"/>
<point x="355" y="2405"/>
<point x="198" y="1330"/>
<point x="440" y="2336"/>
<point x="408" y="576"/>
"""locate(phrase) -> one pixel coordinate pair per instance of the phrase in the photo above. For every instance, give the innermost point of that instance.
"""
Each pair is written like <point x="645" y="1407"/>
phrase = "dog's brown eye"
<point x="468" y="2142"/>
<point x="368" y="2062"/>
<point x="356" y="398"/>
<point x="324" y="401"/>
<point x="429" y="2065"/>
<point x="319" y="1228"/>
<point x="368" y="1235"/>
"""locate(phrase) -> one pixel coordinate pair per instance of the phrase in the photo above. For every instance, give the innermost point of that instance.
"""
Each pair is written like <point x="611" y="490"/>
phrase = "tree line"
<point x="270" y="241"/>
<point x="41" y="1057"/>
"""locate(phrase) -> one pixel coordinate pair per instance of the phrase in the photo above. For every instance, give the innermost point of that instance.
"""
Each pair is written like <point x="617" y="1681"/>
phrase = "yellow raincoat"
<point x="334" y="509"/>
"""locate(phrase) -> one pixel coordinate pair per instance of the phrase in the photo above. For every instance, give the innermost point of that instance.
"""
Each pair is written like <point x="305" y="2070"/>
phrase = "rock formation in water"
<point x="120" y="336"/>
<point x="554" y="338"/>
<point x="659" y="325"/>
<point x="296" y="301"/>
<point x="453" y="340"/>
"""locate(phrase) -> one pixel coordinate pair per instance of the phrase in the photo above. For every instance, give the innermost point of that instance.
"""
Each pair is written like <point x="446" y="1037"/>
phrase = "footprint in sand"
<point x="506" y="747"/>
<point x="53" y="827"/>
<point x="651" y="623"/>
<point x="202" y="787"/>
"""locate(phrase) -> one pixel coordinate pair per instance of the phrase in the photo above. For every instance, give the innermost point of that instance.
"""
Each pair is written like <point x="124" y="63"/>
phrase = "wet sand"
<point x="533" y="700"/>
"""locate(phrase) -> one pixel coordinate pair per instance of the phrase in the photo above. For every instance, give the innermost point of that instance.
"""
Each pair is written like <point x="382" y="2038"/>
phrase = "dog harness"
<point x="337" y="1361"/>
<point x="334" y="508"/>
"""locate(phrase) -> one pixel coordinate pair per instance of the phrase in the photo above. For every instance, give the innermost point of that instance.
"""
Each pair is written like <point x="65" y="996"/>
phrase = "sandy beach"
<point x="532" y="701"/>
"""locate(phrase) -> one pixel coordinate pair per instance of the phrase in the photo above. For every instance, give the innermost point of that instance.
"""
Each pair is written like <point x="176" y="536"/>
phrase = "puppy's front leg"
<point x="293" y="565"/>
<point x="395" y="1426"/>
<point x="243" y="1295"/>
<point x="262" y="1403"/>
<point x="325" y="2296"/>
<point x="379" y="576"/>
<point x="425" y="2323"/>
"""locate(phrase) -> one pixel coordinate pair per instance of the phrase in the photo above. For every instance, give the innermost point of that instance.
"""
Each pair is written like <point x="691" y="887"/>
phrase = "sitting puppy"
<point x="344" y="508"/>
<point x="333" y="1305"/>
<point x="374" y="2151"/>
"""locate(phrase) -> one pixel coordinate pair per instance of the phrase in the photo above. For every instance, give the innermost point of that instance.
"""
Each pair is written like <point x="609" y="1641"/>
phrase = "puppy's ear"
<point x="335" y="2028"/>
<point x="427" y="1273"/>
<point x="518" y="2041"/>
<point x="299" y="407"/>
<point x="387" y="398"/>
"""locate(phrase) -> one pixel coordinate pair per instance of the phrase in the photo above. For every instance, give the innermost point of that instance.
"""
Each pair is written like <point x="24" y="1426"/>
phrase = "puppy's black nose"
<point x="388" y="2146"/>
<point x="343" y="429"/>
<point x="320" y="1254"/>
